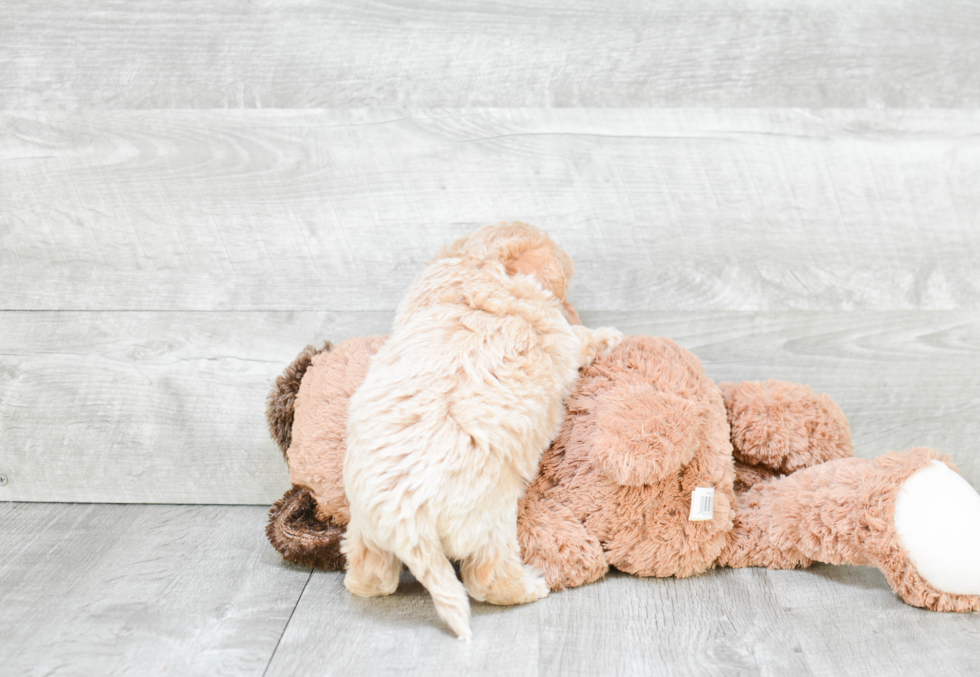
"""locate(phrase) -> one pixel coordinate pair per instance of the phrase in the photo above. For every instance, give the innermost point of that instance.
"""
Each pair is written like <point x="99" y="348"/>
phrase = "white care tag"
<point x="702" y="504"/>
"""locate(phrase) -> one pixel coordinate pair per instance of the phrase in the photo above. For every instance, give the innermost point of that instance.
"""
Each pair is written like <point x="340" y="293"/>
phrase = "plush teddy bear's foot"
<point x="937" y="520"/>
<point x="908" y="514"/>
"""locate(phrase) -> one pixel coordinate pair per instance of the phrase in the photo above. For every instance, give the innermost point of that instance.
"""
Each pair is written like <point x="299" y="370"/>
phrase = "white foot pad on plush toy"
<point x="937" y="516"/>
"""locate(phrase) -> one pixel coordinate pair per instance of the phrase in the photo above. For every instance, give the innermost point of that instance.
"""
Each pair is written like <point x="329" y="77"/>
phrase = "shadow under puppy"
<point x="448" y="427"/>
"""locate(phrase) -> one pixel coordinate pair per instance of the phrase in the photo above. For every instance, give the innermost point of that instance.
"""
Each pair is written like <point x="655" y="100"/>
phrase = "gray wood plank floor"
<point x="137" y="590"/>
<point x="192" y="192"/>
<point x="194" y="590"/>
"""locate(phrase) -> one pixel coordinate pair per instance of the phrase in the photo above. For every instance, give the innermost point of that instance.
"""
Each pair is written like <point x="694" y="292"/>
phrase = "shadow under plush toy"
<point x="645" y="428"/>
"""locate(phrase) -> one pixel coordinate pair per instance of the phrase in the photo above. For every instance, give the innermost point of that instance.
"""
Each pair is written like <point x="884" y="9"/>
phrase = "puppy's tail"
<point x="281" y="403"/>
<point x="429" y="564"/>
<point x="300" y="537"/>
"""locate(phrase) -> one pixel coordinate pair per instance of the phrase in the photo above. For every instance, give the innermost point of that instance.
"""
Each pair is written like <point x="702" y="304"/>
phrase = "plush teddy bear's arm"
<point x="784" y="426"/>
<point x="642" y="435"/>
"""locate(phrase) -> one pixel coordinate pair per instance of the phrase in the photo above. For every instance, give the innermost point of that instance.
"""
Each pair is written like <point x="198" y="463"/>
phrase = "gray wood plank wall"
<point x="168" y="407"/>
<point x="191" y="193"/>
<point x="203" y="54"/>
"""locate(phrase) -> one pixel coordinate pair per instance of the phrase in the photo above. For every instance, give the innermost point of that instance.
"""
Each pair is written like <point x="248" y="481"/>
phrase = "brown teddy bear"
<point x="658" y="471"/>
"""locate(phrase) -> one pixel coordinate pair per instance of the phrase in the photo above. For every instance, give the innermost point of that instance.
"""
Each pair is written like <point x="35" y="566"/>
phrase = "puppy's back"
<point x="472" y="374"/>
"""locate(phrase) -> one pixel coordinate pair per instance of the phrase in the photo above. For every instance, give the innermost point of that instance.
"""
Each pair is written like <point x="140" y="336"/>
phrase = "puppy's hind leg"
<point x="371" y="572"/>
<point x="496" y="574"/>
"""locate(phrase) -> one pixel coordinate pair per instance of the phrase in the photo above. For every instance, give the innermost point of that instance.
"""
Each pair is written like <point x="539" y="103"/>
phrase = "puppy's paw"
<point x="596" y="341"/>
<point x="606" y="338"/>
<point x="369" y="586"/>
<point x="371" y="574"/>
<point x="535" y="585"/>
<point x="526" y="584"/>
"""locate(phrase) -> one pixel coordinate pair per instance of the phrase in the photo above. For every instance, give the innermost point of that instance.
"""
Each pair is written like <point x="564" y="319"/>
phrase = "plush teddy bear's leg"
<point x="908" y="514"/>
<point x="555" y="542"/>
<point x="784" y="426"/>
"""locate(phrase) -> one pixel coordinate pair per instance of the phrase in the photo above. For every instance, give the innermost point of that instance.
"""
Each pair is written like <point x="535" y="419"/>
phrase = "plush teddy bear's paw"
<point x="784" y="426"/>
<point x="937" y="518"/>
<point x="300" y="536"/>
<point x="579" y="565"/>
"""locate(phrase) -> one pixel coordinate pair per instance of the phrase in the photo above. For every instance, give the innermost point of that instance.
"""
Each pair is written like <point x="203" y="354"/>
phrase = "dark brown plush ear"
<point x="300" y="537"/>
<point x="541" y="263"/>
<point x="281" y="403"/>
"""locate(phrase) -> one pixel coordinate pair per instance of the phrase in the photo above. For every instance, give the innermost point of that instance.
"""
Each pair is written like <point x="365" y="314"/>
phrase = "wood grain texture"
<point x="169" y="407"/>
<point x="318" y="210"/>
<point x="848" y="622"/>
<point x="149" y="407"/>
<point x="335" y="633"/>
<point x="127" y="589"/>
<point x="300" y="54"/>
<point x="723" y="622"/>
<point x="825" y="621"/>
<point x="139" y="590"/>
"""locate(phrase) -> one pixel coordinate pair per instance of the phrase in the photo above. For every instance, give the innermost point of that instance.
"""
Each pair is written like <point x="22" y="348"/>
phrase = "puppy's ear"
<point x="542" y="263"/>
<point x="570" y="313"/>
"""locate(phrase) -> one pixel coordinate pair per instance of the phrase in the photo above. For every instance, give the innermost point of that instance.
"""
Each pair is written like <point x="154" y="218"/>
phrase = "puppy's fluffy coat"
<point x="448" y="427"/>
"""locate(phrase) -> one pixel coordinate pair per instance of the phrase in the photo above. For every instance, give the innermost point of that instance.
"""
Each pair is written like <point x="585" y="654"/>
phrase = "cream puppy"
<point x="448" y="427"/>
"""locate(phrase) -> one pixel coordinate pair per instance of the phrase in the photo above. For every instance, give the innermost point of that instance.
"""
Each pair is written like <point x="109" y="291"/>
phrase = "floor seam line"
<point x="286" y="627"/>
